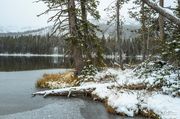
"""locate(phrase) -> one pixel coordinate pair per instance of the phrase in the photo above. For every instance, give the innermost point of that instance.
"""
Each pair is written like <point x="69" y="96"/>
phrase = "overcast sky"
<point x="23" y="13"/>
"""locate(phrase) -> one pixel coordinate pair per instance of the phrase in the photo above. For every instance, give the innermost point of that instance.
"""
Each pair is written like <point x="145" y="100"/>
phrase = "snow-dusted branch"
<point x="163" y="12"/>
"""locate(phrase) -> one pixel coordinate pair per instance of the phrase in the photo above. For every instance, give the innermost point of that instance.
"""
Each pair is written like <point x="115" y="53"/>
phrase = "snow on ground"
<point x="122" y="101"/>
<point x="130" y="102"/>
<point x="126" y="103"/>
<point x="119" y="77"/>
<point x="163" y="105"/>
<point x="111" y="85"/>
<point x="159" y="74"/>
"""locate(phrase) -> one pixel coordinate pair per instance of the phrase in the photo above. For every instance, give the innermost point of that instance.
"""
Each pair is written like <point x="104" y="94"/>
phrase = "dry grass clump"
<point x="109" y="108"/>
<point x="57" y="80"/>
<point x="112" y="110"/>
<point x="149" y="114"/>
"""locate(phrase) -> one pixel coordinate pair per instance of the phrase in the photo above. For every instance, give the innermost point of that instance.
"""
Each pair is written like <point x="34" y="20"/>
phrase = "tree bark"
<point x="84" y="17"/>
<point x="161" y="22"/>
<point x="143" y="32"/>
<point x="85" y="27"/>
<point x="72" y="18"/>
<point x="164" y="13"/>
<point x="119" y="34"/>
<point x="76" y="51"/>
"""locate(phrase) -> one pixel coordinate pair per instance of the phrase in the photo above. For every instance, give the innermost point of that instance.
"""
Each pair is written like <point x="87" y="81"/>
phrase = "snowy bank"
<point x="163" y="105"/>
<point x="131" y="92"/>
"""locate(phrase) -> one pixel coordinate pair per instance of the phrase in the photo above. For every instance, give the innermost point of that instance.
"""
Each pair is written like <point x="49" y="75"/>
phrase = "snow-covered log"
<point x="163" y="12"/>
<point x="71" y="90"/>
<point x="66" y="91"/>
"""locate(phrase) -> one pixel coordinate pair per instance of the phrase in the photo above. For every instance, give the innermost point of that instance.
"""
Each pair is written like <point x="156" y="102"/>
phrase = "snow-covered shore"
<point x="131" y="92"/>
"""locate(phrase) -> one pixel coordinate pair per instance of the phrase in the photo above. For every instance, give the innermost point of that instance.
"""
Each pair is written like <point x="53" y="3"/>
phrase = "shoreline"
<point x="128" y="92"/>
<point x="16" y="100"/>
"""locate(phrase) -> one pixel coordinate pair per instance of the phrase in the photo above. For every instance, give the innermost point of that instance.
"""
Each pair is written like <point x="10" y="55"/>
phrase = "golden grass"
<point x="65" y="78"/>
<point x="149" y="114"/>
<point x="109" y="108"/>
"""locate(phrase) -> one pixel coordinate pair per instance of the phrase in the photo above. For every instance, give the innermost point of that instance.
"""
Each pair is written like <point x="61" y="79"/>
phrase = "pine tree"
<point x="171" y="48"/>
<point x="147" y="18"/>
<point x="71" y="21"/>
<point x="115" y="18"/>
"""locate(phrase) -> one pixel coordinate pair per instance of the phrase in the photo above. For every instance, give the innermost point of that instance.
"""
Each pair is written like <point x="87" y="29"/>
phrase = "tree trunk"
<point x="84" y="17"/>
<point x="143" y="32"/>
<point x="164" y="13"/>
<point x="119" y="34"/>
<point x="76" y="51"/>
<point x="85" y="27"/>
<point x="148" y="41"/>
<point x="161" y="22"/>
<point x="72" y="18"/>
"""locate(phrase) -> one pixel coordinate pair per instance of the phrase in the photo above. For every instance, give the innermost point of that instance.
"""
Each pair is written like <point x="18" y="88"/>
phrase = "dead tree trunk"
<point x="161" y="22"/>
<point x="119" y="34"/>
<point x="143" y="32"/>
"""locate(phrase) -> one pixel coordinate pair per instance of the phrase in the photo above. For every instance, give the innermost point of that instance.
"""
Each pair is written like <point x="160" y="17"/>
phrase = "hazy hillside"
<point x="41" y="31"/>
<point x="127" y="31"/>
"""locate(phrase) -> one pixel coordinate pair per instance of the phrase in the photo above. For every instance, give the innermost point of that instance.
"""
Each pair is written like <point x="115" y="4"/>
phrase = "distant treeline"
<point x="30" y="44"/>
<point x="131" y="47"/>
<point x="45" y="45"/>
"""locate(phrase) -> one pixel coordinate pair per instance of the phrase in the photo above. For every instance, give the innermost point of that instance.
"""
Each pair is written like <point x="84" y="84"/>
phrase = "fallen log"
<point x="87" y="89"/>
<point x="71" y="90"/>
<point x="65" y="92"/>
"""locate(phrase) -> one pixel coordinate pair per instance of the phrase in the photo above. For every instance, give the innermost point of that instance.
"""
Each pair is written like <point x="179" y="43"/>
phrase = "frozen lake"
<point x="18" y="76"/>
<point x="31" y="62"/>
<point x="16" y="101"/>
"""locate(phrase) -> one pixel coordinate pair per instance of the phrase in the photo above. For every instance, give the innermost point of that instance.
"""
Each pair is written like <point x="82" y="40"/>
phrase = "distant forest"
<point x="30" y="44"/>
<point x="45" y="45"/>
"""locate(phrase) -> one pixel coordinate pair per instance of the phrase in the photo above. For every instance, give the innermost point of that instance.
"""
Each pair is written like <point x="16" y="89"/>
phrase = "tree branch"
<point x="163" y="12"/>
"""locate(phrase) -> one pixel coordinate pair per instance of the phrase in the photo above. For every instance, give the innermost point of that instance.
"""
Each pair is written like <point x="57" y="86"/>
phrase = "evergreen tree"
<point x="80" y="34"/>
<point x="147" y="18"/>
<point x="171" y="48"/>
